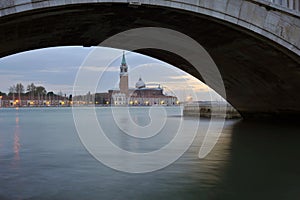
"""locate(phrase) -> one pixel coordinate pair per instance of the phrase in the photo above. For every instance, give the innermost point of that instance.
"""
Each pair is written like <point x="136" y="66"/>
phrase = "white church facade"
<point x="141" y="95"/>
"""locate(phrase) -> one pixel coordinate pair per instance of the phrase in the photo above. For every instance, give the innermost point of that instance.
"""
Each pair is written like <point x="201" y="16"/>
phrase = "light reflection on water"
<point x="251" y="160"/>
<point x="16" y="142"/>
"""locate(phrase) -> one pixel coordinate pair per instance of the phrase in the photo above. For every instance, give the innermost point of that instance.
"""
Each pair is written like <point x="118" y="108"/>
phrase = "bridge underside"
<point x="261" y="78"/>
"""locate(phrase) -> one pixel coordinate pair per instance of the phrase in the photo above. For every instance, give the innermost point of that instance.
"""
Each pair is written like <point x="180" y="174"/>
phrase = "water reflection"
<point x="16" y="146"/>
<point x="251" y="160"/>
<point x="264" y="162"/>
<point x="130" y="135"/>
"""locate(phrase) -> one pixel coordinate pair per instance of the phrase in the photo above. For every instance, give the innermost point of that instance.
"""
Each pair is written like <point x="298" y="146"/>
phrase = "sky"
<point x="57" y="68"/>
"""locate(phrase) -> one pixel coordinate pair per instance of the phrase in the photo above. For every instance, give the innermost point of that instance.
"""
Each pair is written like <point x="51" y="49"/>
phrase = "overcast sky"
<point x="56" y="70"/>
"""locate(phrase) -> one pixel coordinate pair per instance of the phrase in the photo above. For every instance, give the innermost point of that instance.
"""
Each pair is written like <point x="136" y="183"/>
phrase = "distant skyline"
<point x="56" y="69"/>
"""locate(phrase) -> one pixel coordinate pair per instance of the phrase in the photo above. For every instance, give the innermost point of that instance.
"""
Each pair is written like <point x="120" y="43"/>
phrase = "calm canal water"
<point x="41" y="157"/>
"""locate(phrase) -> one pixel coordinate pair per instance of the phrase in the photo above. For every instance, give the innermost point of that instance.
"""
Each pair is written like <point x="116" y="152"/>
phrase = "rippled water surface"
<point x="41" y="157"/>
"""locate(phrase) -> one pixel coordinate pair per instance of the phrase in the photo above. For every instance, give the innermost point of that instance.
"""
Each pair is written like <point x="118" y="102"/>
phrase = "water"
<point x="41" y="157"/>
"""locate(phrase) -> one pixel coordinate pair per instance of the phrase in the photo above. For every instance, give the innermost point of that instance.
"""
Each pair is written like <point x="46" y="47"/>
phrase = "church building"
<point x="141" y="95"/>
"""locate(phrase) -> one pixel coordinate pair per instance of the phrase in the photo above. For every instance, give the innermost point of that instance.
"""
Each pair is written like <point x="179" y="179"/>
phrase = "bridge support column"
<point x="291" y="4"/>
<point x="297" y="5"/>
<point x="284" y="3"/>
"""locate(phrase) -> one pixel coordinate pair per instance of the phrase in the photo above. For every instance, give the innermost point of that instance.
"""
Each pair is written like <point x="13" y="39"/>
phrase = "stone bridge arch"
<point x="255" y="43"/>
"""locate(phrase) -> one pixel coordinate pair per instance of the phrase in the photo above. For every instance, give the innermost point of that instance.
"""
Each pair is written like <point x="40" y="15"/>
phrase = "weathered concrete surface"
<point x="255" y="44"/>
<point x="271" y="20"/>
<point x="210" y="110"/>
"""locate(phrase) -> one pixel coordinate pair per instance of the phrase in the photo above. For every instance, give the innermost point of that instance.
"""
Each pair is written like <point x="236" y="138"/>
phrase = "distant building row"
<point x="25" y="101"/>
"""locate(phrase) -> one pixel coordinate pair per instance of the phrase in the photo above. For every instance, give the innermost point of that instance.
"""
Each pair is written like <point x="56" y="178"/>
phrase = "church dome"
<point x="140" y="84"/>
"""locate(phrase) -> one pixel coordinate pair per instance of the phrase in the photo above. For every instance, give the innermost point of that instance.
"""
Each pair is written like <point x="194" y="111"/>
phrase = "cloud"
<point x="51" y="71"/>
<point x="48" y="57"/>
<point x="8" y="80"/>
<point x="64" y="69"/>
<point x="100" y="69"/>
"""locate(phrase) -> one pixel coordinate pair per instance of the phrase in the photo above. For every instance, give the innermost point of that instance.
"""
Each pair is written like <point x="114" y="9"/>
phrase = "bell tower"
<point x="123" y="85"/>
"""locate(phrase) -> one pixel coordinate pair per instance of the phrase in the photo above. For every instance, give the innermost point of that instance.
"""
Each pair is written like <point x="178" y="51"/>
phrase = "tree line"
<point x="31" y="91"/>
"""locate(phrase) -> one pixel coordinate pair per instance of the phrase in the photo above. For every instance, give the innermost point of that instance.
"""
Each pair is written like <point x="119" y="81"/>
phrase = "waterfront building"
<point x="142" y="94"/>
<point x="26" y="100"/>
<point x="123" y="85"/>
